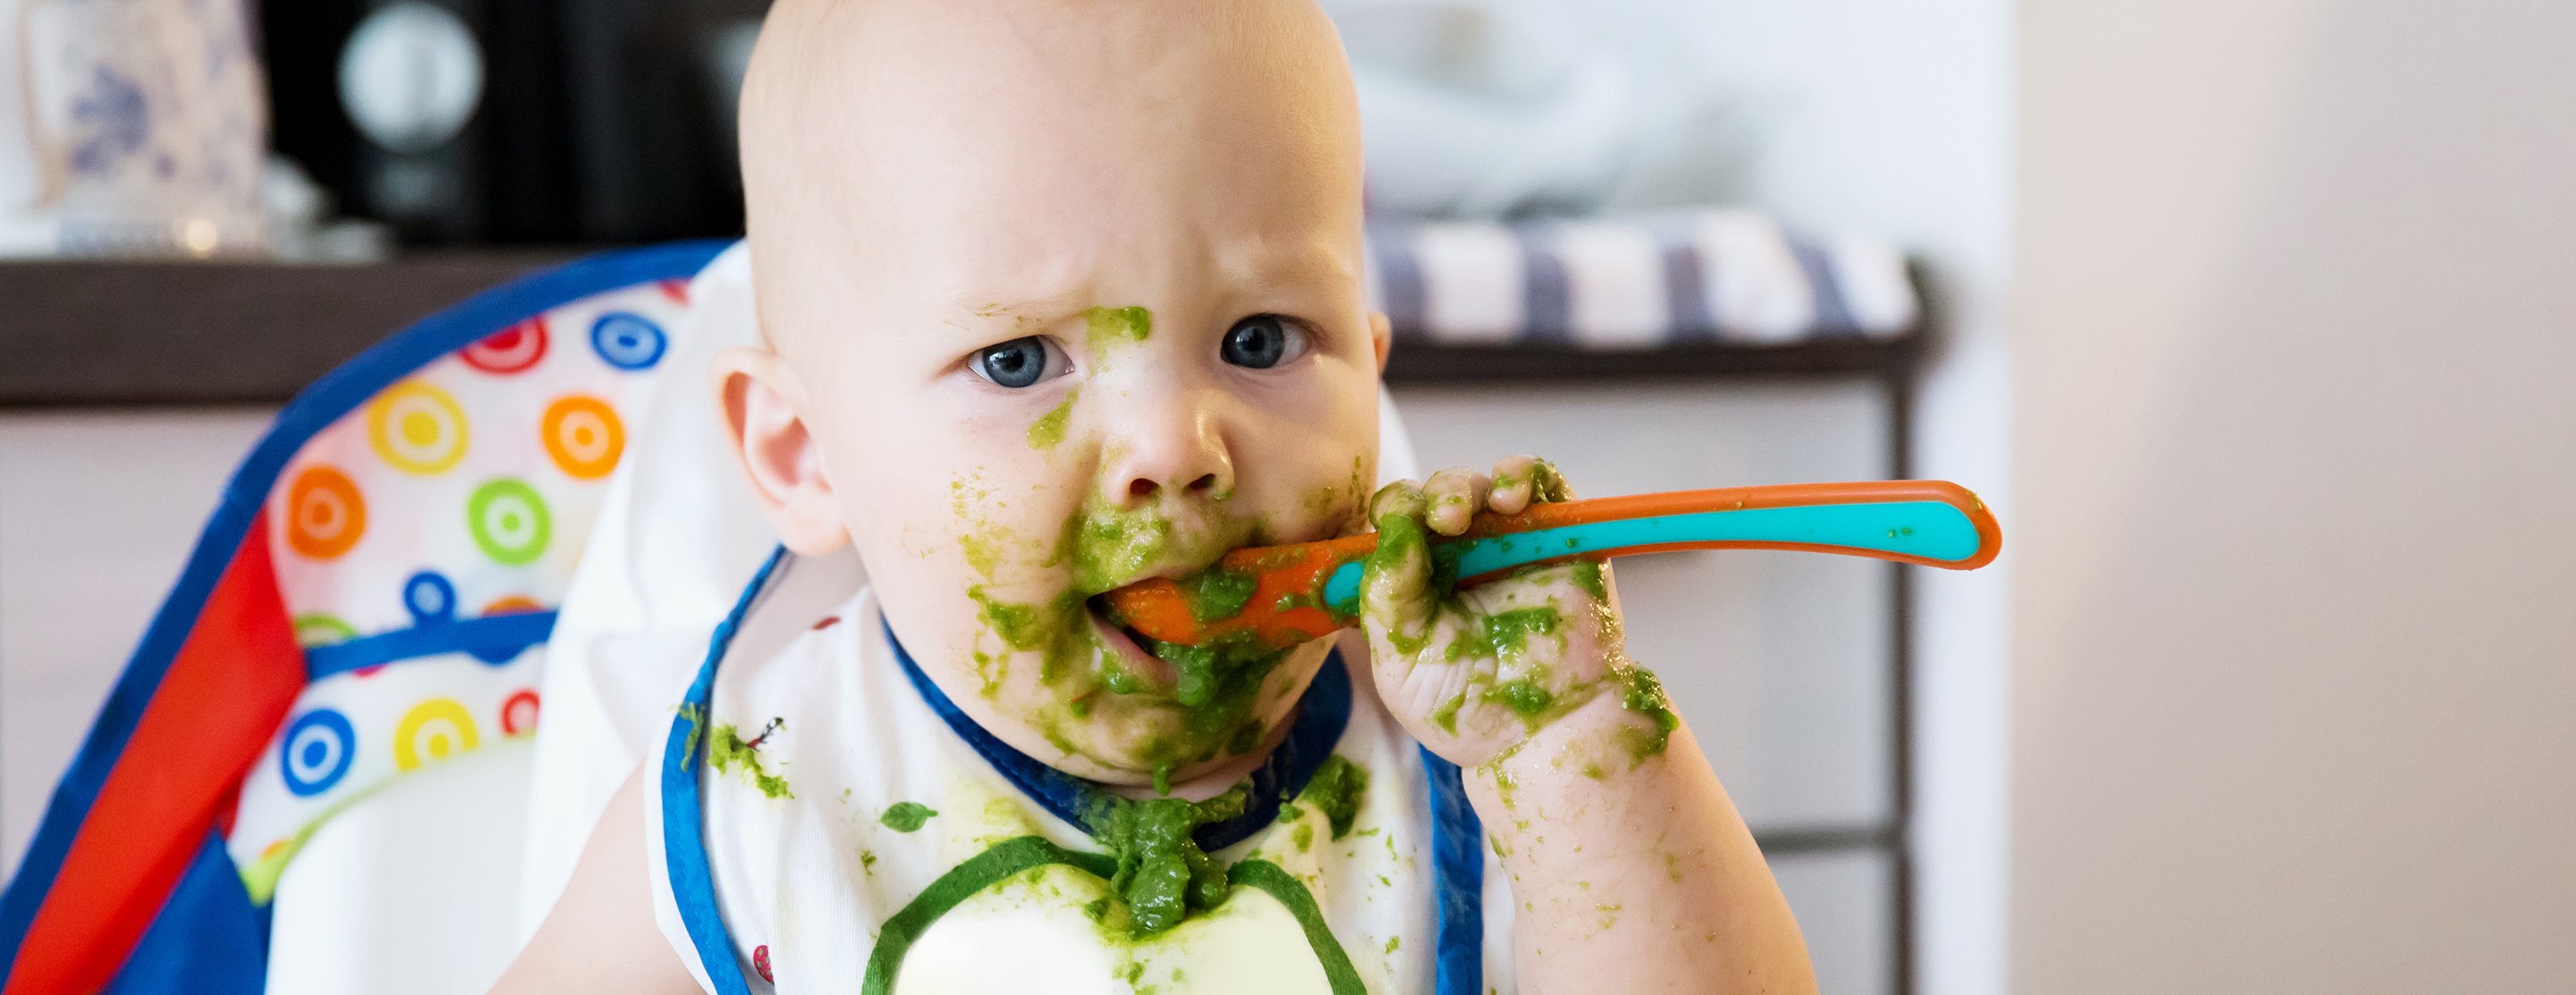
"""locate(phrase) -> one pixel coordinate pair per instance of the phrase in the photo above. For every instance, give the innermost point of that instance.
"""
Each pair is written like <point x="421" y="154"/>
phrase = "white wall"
<point x="97" y="513"/>
<point x="2295" y="378"/>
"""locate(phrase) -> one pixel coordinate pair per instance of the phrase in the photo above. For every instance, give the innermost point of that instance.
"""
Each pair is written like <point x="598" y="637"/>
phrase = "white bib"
<point x="778" y="868"/>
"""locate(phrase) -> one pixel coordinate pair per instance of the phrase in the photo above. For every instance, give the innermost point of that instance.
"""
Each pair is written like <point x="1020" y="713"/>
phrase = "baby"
<point x="1059" y="295"/>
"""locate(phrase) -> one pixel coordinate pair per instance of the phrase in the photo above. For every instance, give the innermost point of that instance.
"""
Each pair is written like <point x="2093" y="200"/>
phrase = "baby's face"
<point x="1094" y="319"/>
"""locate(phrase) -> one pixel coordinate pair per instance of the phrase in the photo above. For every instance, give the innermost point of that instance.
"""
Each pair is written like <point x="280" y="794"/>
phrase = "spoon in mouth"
<point x="1285" y="595"/>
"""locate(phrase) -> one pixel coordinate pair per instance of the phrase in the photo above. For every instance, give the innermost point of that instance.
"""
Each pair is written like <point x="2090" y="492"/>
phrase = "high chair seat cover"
<point x="380" y="589"/>
<point x="371" y="596"/>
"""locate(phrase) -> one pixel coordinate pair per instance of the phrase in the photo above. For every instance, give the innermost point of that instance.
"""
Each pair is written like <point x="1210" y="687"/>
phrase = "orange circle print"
<point x="325" y="514"/>
<point x="583" y="435"/>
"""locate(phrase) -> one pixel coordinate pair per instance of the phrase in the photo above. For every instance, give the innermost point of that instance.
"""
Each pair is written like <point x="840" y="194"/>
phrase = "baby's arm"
<point x="1628" y="865"/>
<point x="601" y="936"/>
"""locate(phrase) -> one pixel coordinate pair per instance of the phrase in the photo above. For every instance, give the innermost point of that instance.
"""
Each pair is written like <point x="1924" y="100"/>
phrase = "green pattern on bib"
<point x="1013" y="856"/>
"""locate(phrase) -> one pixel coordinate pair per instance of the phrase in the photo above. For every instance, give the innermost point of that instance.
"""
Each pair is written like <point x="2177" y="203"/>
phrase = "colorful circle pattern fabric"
<point x="430" y="597"/>
<point x="417" y="428"/>
<point x="368" y="508"/>
<point x="583" y="435"/>
<point x="316" y="752"/>
<point x="519" y="713"/>
<point x="627" y="340"/>
<point x="317" y="629"/>
<point x="513" y="604"/>
<point x="433" y="730"/>
<point x="509" y="522"/>
<point x="509" y="350"/>
<point x="325" y="514"/>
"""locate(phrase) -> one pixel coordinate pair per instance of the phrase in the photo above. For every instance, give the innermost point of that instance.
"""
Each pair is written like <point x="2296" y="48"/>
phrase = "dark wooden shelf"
<point x="141" y="333"/>
<point x="1418" y="363"/>
<point x="83" y="333"/>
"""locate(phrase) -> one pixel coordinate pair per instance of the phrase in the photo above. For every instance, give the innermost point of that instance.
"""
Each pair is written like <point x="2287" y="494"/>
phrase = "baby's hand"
<point x="1473" y="673"/>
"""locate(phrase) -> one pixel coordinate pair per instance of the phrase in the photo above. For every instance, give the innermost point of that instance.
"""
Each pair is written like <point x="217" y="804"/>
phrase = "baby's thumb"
<point x="1395" y="583"/>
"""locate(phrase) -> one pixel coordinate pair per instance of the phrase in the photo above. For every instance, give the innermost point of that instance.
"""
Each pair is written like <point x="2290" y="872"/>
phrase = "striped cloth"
<point x="1698" y="277"/>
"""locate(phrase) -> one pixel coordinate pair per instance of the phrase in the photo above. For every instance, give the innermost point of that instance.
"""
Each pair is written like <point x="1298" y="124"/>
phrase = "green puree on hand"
<point x="1644" y="694"/>
<point x="1162" y="875"/>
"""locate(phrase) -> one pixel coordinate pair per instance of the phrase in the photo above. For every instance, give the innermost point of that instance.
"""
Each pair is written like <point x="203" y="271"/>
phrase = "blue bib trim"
<point x="684" y="841"/>
<point x="1458" y="866"/>
<point x="1321" y="716"/>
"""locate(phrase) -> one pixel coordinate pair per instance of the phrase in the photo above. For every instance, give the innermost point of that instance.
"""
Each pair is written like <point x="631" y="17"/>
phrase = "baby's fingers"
<point x="1454" y="495"/>
<point x="1520" y="481"/>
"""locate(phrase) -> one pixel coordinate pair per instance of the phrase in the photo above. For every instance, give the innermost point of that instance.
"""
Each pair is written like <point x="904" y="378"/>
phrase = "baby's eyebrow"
<point x="988" y="314"/>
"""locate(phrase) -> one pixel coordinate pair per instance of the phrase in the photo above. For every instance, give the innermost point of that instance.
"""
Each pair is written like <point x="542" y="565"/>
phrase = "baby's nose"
<point x="1143" y="488"/>
<point x="1185" y="457"/>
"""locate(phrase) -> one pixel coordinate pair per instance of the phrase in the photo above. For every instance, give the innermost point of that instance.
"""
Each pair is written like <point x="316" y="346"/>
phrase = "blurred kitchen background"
<point x="2247" y="318"/>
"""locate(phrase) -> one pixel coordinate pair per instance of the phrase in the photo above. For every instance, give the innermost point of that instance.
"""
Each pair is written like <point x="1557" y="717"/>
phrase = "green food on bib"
<point x="905" y="817"/>
<point x="1162" y="875"/>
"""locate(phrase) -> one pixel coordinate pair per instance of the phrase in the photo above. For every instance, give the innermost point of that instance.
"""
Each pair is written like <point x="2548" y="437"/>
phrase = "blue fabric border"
<point x="684" y="844"/>
<point x="1321" y="716"/>
<point x="208" y="939"/>
<point x="494" y="638"/>
<point x="1458" y="863"/>
<point x="326" y="401"/>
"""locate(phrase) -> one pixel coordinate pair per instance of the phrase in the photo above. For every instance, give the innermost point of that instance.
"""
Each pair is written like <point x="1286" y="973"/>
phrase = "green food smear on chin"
<point x="1162" y="875"/>
<point x="1223" y="664"/>
<point x="1336" y="790"/>
<point x="727" y="750"/>
<point x="1058" y="630"/>
<point x="1216" y="685"/>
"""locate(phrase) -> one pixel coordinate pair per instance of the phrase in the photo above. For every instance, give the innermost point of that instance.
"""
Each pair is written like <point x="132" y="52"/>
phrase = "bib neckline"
<point x="1321" y="716"/>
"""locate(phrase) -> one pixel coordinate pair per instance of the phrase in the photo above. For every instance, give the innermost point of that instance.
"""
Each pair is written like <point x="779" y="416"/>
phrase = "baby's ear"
<point x="1382" y="337"/>
<point x="758" y="399"/>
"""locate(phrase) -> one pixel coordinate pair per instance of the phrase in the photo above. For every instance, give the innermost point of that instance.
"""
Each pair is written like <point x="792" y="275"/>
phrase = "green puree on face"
<point x="1219" y="665"/>
<point x="905" y="817"/>
<point x="1109" y="325"/>
<point x="1048" y="430"/>
<point x="726" y="749"/>
<point x="1162" y="875"/>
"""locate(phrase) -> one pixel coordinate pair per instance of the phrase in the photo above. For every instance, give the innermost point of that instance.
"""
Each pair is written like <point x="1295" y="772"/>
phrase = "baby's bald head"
<point x="893" y="148"/>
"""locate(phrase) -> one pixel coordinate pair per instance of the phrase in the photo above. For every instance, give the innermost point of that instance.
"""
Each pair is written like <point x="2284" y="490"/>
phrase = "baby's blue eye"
<point x="1018" y="362"/>
<point x="1263" y="341"/>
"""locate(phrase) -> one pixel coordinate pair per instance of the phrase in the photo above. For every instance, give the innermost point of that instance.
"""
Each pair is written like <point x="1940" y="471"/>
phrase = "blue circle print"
<point x="316" y="752"/>
<point x="627" y="340"/>
<point x="430" y="597"/>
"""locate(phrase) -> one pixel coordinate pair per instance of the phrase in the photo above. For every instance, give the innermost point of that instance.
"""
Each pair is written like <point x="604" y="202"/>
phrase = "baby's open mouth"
<point x="1130" y="662"/>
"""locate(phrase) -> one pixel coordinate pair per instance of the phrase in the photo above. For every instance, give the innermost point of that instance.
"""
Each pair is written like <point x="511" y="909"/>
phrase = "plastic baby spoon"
<point x="1285" y="595"/>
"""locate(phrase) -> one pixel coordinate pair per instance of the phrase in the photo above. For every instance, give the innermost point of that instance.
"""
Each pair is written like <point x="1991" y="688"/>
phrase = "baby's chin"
<point x="1126" y="723"/>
